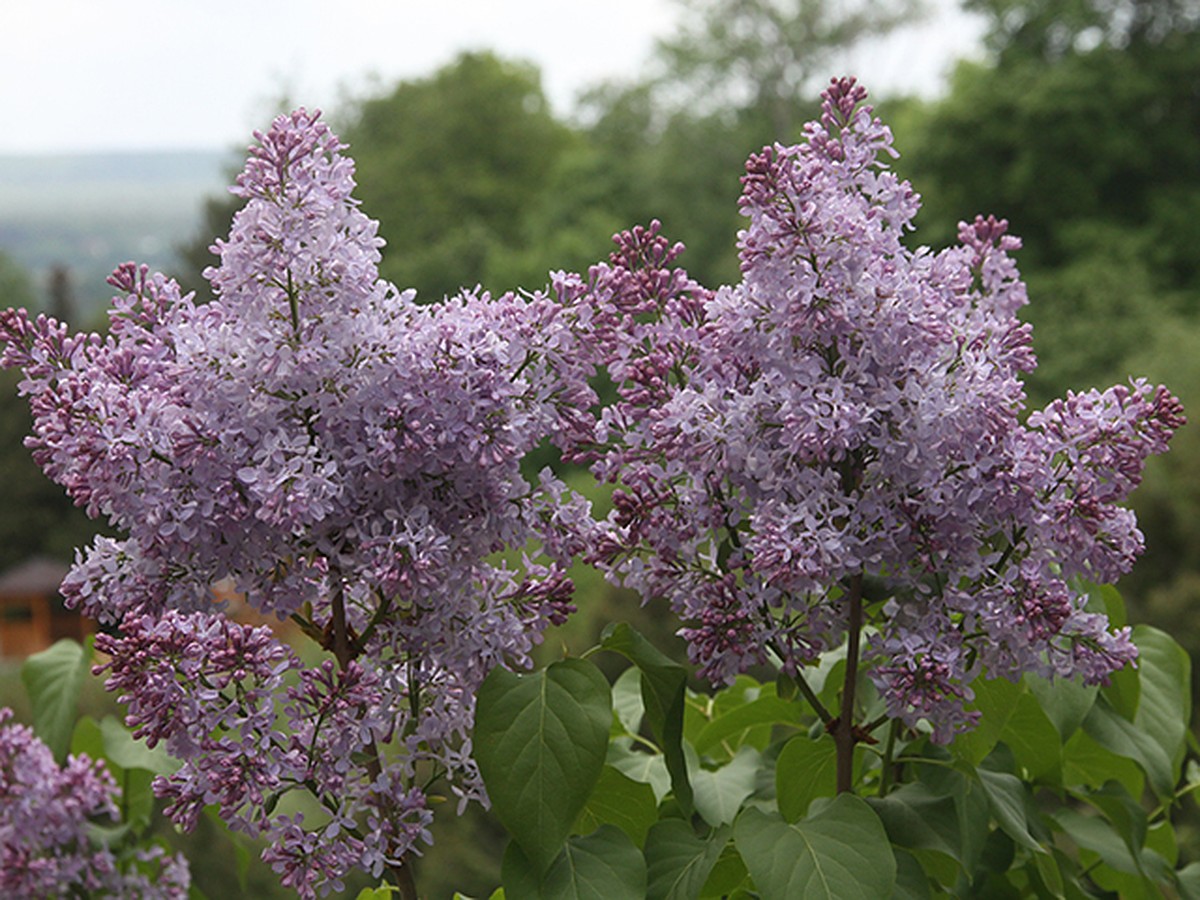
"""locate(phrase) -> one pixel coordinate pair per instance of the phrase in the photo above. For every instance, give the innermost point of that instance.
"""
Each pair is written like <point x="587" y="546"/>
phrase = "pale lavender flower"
<point x="854" y="409"/>
<point x="45" y="813"/>
<point x="344" y="456"/>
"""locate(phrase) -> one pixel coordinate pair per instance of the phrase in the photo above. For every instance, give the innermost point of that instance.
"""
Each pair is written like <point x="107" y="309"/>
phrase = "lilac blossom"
<point x="347" y="458"/>
<point x="845" y="428"/>
<point x="841" y="433"/>
<point x="45" y="814"/>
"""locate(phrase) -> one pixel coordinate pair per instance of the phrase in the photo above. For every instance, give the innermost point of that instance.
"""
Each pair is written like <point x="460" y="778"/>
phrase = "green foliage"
<point x="806" y="769"/>
<point x="1097" y="308"/>
<point x="602" y="865"/>
<point x="841" y="852"/>
<point x="1065" y="791"/>
<point x="1097" y="141"/>
<point x="760" y="56"/>
<point x="720" y="792"/>
<point x="449" y="163"/>
<point x="1047" y="30"/>
<point x="619" y="800"/>
<point x="133" y="766"/>
<point x="1165" y="584"/>
<point x="679" y="862"/>
<point x="53" y="679"/>
<point x="540" y="741"/>
<point x="383" y="892"/>
<point x="663" y="685"/>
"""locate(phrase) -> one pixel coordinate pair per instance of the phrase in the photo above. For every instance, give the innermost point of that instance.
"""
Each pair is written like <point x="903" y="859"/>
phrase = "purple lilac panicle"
<point x="852" y="410"/>
<point x="347" y="458"/>
<point x="45" y="811"/>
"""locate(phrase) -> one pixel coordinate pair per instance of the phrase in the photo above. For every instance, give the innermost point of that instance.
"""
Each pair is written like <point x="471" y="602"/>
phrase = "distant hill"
<point x="92" y="212"/>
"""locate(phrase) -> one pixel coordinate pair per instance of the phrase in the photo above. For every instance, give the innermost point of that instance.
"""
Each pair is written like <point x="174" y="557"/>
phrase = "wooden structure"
<point x="32" y="614"/>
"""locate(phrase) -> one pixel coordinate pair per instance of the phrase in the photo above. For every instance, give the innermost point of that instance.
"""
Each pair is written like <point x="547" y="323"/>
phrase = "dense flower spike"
<point x="45" y="813"/>
<point x="844" y="427"/>
<point x="347" y="458"/>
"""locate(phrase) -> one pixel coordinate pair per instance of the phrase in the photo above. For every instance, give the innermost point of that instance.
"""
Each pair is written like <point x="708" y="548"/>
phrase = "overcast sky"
<point x="86" y="75"/>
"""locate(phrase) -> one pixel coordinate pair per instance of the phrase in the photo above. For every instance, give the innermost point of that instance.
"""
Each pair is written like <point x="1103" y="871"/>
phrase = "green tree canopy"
<point x="1103" y="136"/>
<point x="474" y="180"/>
<point x="1049" y="30"/>
<point x="764" y="55"/>
<point x="450" y="163"/>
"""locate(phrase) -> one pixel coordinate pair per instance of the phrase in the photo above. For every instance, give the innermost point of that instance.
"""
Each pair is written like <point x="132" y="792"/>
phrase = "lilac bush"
<point x="834" y="451"/>
<point x="838" y="444"/>
<point x="350" y="460"/>
<point x="45" y="814"/>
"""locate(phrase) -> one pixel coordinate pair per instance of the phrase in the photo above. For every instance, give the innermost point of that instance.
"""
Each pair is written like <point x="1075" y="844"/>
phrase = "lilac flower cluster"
<point x="205" y="687"/>
<point x="45" y="812"/>
<point x="347" y="458"/>
<point x="252" y="724"/>
<point x="835" y="442"/>
<point x="843" y="429"/>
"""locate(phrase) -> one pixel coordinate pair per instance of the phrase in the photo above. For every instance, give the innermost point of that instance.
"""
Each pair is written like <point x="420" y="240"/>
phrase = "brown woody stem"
<point x="844" y="734"/>
<point x="344" y="652"/>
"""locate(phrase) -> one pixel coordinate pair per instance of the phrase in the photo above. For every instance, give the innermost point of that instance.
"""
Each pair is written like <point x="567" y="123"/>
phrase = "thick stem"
<point x="844" y="735"/>
<point x="341" y="634"/>
<point x="344" y="653"/>
<point x="404" y="881"/>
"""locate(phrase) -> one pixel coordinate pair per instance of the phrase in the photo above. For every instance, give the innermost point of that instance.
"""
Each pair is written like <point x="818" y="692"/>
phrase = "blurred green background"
<point x="1080" y="125"/>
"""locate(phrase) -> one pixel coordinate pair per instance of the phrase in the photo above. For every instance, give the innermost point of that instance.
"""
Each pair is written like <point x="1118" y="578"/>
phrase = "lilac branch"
<point x="845" y="735"/>
<point x="345" y="651"/>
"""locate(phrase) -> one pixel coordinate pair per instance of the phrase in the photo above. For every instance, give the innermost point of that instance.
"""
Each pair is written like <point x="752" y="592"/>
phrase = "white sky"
<point x="87" y="75"/>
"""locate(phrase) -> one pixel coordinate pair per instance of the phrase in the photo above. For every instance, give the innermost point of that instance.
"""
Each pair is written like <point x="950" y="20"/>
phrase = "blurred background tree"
<point x="196" y="255"/>
<point x="16" y="287"/>
<point x="1050" y="30"/>
<point x="451" y="164"/>
<point x="761" y="58"/>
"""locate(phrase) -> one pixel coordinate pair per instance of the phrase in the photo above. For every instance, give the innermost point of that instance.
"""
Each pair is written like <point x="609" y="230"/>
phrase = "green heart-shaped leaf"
<point x="540" y="741"/>
<point x="53" y="679"/>
<point x="841" y="853"/>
